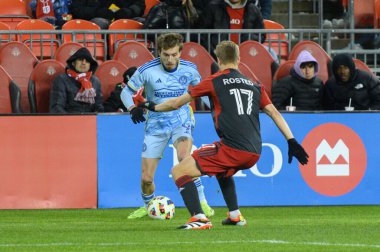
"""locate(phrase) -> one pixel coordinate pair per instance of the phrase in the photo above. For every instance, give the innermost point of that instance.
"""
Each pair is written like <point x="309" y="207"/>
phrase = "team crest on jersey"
<point x="183" y="80"/>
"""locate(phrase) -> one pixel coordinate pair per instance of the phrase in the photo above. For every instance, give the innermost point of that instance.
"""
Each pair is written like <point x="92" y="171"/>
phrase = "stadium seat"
<point x="12" y="12"/>
<point x="132" y="53"/>
<point x="276" y="41"/>
<point x="93" y="41"/>
<point x="40" y="82"/>
<point x="205" y="63"/>
<point x="364" y="13"/>
<point x="244" y="69"/>
<point x="6" y="99"/>
<point x="123" y="24"/>
<point x="43" y="45"/>
<point x="65" y="50"/>
<point x="363" y="66"/>
<point x="18" y="60"/>
<point x="148" y="5"/>
<point x="376" y="20"/>
<point x="259" y="60"/>
<point x="283" y="70"/>
<point x="324" y="60"/>
<point x="5" y="37"/>
<point x="110" y="73"/>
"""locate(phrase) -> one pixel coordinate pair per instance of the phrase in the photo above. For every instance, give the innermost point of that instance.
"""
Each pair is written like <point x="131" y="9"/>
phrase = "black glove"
<point x="296" y="150"/>
<point x="149" y="105"/>
<point x="137" y="115"/>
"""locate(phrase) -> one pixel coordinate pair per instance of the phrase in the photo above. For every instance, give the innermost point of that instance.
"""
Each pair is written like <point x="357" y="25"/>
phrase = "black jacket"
<point x="128" y="9"/>
<point x="215" y="16"/>
<point x="165" y="16"/>
<point x="85" y="9"/>
<point x="363" y="89"/>
<point x="306" y="94"/>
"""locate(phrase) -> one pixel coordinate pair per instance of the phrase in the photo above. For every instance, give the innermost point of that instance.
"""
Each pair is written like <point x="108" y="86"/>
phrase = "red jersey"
<point x="235" y="105"/>
<point x="236" y="21"/>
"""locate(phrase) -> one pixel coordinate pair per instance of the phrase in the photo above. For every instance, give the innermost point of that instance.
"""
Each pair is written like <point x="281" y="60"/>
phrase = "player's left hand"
<point x="149" y="105"/>
<point x="296" y="150"/>
<point x="137" y="115"/>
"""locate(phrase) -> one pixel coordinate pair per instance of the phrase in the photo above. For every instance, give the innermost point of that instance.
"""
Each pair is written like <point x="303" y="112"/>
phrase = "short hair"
<point x="227" y="52"/>
<point x="169" y="40"/>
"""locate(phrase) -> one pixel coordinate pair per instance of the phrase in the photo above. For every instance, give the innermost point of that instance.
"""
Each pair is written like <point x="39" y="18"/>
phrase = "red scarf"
<point x="86" y="93"/>
<point x="44" y="9"/>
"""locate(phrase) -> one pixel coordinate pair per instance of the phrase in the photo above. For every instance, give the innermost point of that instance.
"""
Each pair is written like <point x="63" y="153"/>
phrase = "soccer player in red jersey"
<point x="235" y="104"/>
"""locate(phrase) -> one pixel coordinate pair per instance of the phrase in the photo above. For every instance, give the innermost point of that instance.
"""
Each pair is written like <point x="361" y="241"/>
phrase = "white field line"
<point x="122" y="244"/>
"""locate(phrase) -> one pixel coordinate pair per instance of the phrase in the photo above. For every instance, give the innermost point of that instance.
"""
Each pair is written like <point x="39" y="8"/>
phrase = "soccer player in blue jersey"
<point x="163" y="78"/>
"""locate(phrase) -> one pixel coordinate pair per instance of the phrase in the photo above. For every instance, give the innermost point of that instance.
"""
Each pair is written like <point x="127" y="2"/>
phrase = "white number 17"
<point x="239" y="103"/>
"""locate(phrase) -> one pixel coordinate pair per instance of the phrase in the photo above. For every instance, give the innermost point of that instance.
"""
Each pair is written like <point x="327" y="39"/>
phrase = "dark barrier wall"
<point x="343" y="167"/>
<point x="48" y="162"/>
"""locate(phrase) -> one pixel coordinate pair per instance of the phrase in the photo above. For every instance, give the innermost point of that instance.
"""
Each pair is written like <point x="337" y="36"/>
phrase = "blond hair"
<point x="227" y="52"/>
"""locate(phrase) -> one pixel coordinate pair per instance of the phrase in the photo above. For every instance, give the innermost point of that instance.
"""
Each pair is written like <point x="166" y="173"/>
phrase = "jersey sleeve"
<point x="204" y="88"/>
<point x="264" y="99"/>
<point x="137" y="80"/>
<point x="196" y="78"/>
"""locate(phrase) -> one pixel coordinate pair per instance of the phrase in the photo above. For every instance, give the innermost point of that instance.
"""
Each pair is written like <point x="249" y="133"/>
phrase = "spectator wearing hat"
<point x="77" y="90"/>
<point x="351" y="87"/>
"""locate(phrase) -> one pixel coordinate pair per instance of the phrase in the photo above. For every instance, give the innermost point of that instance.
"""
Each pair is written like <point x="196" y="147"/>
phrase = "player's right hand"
<point x="296" y="150"/>
<point x="137" y="115"/>
<point x="149" y="105"/>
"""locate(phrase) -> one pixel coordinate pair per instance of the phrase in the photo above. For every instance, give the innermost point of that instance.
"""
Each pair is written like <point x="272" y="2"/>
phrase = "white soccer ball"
<point x="161" y="208"/>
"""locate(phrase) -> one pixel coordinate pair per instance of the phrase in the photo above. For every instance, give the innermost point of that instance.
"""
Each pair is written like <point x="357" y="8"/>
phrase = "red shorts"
<point x="220" y="160"/>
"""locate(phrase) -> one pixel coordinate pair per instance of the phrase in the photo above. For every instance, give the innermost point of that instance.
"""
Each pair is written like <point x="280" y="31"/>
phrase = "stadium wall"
<point x="94" y="161"/>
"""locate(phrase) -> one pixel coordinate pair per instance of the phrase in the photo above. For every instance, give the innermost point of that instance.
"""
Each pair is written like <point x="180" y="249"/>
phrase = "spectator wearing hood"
<point x="77" y="90"/>
<point x="302" y="85"/>
<point x="351" y="86"/>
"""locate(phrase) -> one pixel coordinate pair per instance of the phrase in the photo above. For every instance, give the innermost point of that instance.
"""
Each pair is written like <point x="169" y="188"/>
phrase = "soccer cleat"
<point x="139" y="213"/>
<point x="207" y="209"/>
<point x="196" y="224"/>
<point x="239" y="221"/>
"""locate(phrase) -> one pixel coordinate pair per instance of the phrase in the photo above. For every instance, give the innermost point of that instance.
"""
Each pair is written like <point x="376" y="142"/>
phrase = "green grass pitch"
<point x="335" y="228"/>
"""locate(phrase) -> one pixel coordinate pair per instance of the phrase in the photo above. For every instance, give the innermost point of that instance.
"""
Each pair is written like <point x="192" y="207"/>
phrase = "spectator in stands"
<point x="231" y="14"/>
<point x="351" y="87"/>
<point x="55" y="12"/>
<point x="88" y="10"/>
<point x="172" y="14"/>
<point x="77" y="90"/>
<point x="119" y="9"/>
<point x="114" y="103"/>
<point x="265" y="7"/>
<point x="302" y="86"/>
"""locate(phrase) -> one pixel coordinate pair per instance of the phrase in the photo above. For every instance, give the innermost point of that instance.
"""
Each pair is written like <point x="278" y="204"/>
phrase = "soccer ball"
<point x="161" y="208"/>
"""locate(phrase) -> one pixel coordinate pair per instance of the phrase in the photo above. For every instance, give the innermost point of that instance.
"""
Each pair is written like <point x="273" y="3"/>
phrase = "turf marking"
<point x="121" y="244"/>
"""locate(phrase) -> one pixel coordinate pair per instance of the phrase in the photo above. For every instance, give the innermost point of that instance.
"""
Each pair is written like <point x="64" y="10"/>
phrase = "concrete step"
<point x="298" y="6"/>
<point x="304" y="20"/>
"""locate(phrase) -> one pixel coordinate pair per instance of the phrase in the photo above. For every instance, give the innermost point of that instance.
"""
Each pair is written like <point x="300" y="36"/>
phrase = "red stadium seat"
<point x="148" y="5"/>
<point x="93" y="41"/>
<point x="110" y="73"/>
<point x="42" y="45"/>
<point x="5" y="37"/>
<point x="40" y="82"/>
<point x="5" y="92"/>
<point x="364" y="13"/>
<point x="259" y="60"/>
<point x="284" y="70"/>
<point x="205" y="63"/>
<point x="276" y="41"/>
<point x="244" y="69"/>
<point x="66" y="50"/>
<point x="116" y="38"/>
<point x="363" y="66"/>
<point x="18" y="60"/>
<point x="132" y="53"/>
<point x="376" y="19"/>
<point x="12" y="12"/>
<point x="324" y="60"/>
